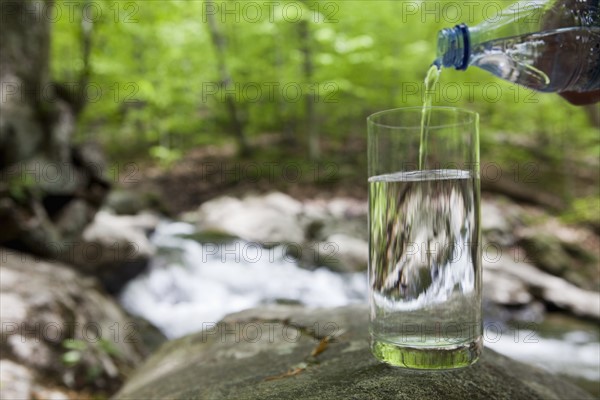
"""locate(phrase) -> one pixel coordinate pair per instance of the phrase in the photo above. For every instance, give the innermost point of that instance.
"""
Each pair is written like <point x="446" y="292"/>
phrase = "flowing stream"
<point x="190" y="284"/>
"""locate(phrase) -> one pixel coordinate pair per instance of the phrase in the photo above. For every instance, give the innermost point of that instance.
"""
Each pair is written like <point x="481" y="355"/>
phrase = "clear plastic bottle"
<point x="546" y="45"/>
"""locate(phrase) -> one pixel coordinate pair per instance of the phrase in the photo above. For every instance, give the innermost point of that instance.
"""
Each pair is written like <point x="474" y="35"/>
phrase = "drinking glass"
<point x="424" y="237"/>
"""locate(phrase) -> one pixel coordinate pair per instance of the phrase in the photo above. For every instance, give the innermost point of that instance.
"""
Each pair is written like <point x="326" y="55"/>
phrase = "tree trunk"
<point x="87" y="26"/>
<point x="287" y="119"/>
<point x="312" y="128"/>
<point x="225" y="76"/>
<point x="49" y="190"/>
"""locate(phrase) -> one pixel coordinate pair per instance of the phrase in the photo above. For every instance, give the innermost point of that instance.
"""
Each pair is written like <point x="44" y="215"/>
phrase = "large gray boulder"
<point x="549" y="288"/>
<point x="61" y="334"/>
<point x="115" y="248"/>
<point x="330" y="234"/>
<point x="268" y="219"/>
<point x="289" y="352"/>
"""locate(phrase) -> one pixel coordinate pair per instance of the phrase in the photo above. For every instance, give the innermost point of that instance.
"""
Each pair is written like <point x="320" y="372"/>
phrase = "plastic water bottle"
<point x="546" y="45"/>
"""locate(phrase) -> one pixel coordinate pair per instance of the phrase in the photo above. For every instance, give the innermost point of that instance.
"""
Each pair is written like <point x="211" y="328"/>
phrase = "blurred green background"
<point x="163" y="77"/>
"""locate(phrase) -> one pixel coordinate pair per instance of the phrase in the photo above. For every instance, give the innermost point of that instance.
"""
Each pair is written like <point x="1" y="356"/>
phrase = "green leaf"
<point x="74" y="344"/>
<point x="71" y="358"/>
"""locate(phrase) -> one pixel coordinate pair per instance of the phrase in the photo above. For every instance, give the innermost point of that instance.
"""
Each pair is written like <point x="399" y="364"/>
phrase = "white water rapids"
<point x="189" y="285"/>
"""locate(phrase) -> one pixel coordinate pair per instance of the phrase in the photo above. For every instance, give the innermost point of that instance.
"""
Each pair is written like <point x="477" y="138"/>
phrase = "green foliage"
<point x="164" y="155"/>
<point x="22" y="188"/>
<point x="584" y="210"/>
<point x="155" y="82"/>
<point x="77" y="350"/>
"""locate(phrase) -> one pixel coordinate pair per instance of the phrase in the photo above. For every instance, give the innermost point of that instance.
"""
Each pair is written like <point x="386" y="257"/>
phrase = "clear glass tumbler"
<point x="424" y="237"/>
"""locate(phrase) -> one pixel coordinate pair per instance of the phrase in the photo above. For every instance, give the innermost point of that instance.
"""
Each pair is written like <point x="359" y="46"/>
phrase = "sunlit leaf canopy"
<point x="155" y="79"/>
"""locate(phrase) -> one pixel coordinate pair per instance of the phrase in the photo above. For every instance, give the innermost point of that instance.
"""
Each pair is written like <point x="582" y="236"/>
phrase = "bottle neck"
<point x="454" y="47"/>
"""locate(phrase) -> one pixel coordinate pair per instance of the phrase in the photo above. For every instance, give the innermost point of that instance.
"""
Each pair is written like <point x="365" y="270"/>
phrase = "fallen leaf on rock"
<point x="321" y="347"/>
<point x="295" y="370"/>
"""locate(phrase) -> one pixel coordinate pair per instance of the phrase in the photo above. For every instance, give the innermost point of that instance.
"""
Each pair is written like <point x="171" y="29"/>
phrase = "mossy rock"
<point x="569" y="261"/>
<point x="277" y="352"/>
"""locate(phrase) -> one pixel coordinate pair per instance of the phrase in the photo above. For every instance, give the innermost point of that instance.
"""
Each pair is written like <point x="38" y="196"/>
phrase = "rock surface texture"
<point x="115" y="248"/>
<point x="61" y="334"/>
<point x="289" y="352"/>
